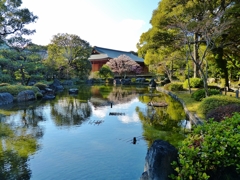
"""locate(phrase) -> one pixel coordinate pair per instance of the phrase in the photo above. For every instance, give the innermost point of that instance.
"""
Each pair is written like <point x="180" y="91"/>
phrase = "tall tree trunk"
<point x="22" y="75"/>
<point x="221" y="63"/>
<point x="196" y="56"/>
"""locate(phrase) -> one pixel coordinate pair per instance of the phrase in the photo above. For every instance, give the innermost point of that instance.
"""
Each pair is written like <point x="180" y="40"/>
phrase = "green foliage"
<point x="133" y="80"/>
<point x="15" y="89"/>
<point x="174" y="86"/>
<point x="5" y="78"/>
<point x="199" y="94"/>
<point x="194" y="83"/>
<point x="211" y="151"/>
<point x="94" y="75"/>
<point x="215" y="101"/>
<point x="41" y="86"/>
<point x="69" y="54"/>
<point x="39" y="95"/>
<point x="22" y="65"/>
<point x="13" y="21"/>
<point x="37" y="77"/>
<point x="105" y="72"/>
<point x="4" y="84"/>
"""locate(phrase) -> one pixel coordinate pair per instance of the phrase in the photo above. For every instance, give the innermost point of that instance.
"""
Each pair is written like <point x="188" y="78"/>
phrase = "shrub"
<point x="15" y="89"/>
<point x="200" y="94"/>
<point x="215" y="101"/>
<point x="4" y="84"/>
<point x="222" y="112"/>
<point x="133" y="80"/>
<point x="41" y="86"/>
<point x="174" y="86"/>
<point x="211" y="151"/>
<point x="39" y="95"/>
<point x="194" y="83"/>
<point x="37" y="77"/>
<point x="6" y="78"/>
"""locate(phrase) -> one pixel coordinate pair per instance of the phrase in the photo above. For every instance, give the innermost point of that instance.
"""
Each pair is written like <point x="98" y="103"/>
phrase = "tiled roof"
<point x="98" y="56"/>
<point x="111" y="53"/>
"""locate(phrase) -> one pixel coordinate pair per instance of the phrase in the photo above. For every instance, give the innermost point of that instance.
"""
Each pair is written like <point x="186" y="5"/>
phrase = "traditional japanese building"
<point x="101" y="56"/>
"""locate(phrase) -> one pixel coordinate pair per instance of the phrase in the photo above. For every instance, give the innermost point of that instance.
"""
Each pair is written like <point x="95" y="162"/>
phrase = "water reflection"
<point x="69" y="111"/>
<point x="16" y="145"/>
<point x="22" y="129"/>
<point x="161" y="122"/>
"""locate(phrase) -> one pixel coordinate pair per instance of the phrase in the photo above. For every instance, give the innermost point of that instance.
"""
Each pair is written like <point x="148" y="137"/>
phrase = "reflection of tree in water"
<point x="18" y="139"/>
<point x="70" y="111"/>
<point x="122" y="95"/>
<point x="162" y="122"/>
<point x="16" y="145"/>
<point x="101" y="91"/>
<point x="30" y="120"/>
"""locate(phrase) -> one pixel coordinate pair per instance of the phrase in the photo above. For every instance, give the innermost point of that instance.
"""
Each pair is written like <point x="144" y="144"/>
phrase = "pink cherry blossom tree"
<point x="123" y="64"/>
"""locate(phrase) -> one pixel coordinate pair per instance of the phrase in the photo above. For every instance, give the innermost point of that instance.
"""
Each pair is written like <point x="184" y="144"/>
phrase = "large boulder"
<point x="140" y="80"/>
<point x="68" y="83"/>
<point x="5" y="98"/>
<point x="126" y="81"/>
<point x="26" y="95"/>
<point x="56" y="85"/>
<point x="158" y="161"/>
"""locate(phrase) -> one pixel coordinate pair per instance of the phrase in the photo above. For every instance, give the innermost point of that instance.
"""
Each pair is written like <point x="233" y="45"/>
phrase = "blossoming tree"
<point x="123" y="64"/>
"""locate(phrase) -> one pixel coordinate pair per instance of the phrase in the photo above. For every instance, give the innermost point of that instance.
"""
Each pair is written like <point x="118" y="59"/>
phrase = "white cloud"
<point x="129" y="119"/>
<point x="100" y="112"/>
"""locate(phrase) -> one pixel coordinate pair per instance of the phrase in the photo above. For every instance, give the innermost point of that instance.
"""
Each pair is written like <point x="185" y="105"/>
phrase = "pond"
<point x="87" y="136"/>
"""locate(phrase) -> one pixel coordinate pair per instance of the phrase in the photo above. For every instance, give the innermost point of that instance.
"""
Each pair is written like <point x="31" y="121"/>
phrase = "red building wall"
<point x="97" y="64"/>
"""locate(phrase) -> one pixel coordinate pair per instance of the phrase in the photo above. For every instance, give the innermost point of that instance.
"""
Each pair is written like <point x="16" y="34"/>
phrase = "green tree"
<point x="197" y="25"/>
<point x="13" y="20"/>
<point x="105" y="72"/>
<point x="69" y="53"/>
<point x="226" y="48"/>
<point x="23" y="64"/>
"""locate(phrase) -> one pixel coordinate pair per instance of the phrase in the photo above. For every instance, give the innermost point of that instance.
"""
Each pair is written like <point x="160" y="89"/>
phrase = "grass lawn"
<point x="191" y="104"/>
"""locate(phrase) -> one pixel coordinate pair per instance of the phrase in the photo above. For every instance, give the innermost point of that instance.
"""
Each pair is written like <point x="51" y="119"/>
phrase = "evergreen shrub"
<point x="199" y="94"/>
<point x="215" y="101"/>
<point x="6" y="78"/>
<point x="41" y="86"/>
<point x="194" y="83"/>
<point x="15" y="89"/>
<point x="211" y="151"/>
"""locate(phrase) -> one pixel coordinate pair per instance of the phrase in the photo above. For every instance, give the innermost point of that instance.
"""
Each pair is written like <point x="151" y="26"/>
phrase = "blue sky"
<point x="114" y="24"/>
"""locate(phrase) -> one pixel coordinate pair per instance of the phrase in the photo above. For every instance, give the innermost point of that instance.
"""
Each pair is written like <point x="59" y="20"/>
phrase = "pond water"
<point x="88" y="136"/>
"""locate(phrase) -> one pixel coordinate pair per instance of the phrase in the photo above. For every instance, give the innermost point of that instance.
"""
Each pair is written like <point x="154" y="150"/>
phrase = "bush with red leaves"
<point x="222" y="112"/>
